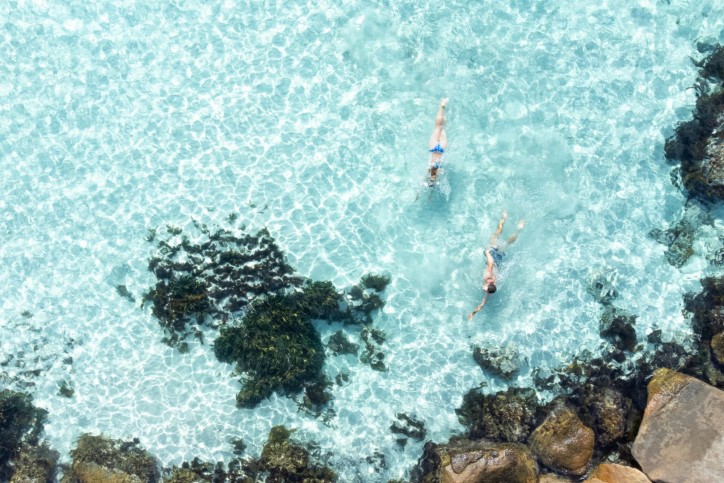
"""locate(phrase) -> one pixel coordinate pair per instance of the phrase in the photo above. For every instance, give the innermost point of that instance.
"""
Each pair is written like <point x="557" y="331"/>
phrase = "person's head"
<point x="490" y="288"/>
<point x="433" y="175"/>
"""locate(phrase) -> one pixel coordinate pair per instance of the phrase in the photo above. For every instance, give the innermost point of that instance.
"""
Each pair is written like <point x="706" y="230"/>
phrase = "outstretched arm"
<point x="478" y="308"/>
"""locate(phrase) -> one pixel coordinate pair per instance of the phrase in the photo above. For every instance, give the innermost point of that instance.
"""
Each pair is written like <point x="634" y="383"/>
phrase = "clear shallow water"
<point x="313" y="119"/>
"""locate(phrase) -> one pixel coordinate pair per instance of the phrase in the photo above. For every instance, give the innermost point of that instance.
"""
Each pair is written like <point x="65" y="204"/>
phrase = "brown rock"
<point x="717" y="347"/>
<point x="551" y="478"/>
<point x="563" y="443"/>
<point x="613" y="473"/>
<point x="93" y="473"/>
<point x="466" y="461"/>
<point x="681" y="437"/>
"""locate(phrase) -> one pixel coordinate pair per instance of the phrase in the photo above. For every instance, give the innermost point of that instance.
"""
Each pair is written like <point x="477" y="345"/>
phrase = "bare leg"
<point x="438" y="134"/>
<point x="499" y="230"/>
<point x="514" y="236"/>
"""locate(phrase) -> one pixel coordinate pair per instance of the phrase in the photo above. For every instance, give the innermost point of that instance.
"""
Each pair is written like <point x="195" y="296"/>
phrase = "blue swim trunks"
<point x="497" y="255"/>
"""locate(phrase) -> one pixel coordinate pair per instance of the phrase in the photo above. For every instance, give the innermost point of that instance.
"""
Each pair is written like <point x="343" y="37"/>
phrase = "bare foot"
<point x="470" y="316"/>
<point x="505" y="215"/>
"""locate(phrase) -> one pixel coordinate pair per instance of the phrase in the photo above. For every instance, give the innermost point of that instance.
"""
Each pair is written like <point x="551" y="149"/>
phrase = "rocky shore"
<point x="626" y="414"/>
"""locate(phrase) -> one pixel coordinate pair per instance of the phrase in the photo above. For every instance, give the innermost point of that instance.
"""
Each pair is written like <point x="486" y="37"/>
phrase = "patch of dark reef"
<point x="221" y="273"/>
<point x="504" y="361"/>
<point x="679" y="238"/>
<point x="98" y="458"/>
<point x="242" y="284"/>
<point x="277" y="348"/>
<point x="408" y="427"/>
<point x="699" y="143"/>
<point x="282" y="460"/>
<point x="21" y="424"/>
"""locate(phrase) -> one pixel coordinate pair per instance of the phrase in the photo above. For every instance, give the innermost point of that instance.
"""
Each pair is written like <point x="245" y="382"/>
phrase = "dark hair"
<point x="491" y="288"/>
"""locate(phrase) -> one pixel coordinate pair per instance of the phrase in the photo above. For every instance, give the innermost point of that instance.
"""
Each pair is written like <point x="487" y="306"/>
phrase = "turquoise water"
<point x="312" y="119"/>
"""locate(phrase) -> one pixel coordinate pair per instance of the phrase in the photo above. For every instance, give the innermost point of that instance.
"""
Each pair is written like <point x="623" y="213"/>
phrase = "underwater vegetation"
<point x="98" y="458"/>
<point x="281" y="460"/>
<point x="222" y="276"/>
<point x="699" y="143"/>
<point x="20" y="423"/>
<point x="276" y="346"/>
<point x="207" y="280"/>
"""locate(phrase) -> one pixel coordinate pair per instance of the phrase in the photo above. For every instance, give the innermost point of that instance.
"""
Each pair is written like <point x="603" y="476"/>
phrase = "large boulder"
<point x="681" y="437"/>
<point x="563" y="443"/>
<point x="466" y="461"/>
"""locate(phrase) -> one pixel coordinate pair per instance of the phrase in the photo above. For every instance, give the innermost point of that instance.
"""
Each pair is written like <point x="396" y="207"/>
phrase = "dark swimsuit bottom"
<point x="437" y="149"/>
<point x="497" y="255"/>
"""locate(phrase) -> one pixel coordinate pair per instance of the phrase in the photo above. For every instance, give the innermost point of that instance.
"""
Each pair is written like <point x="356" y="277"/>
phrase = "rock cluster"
<point x="698" y="143"/>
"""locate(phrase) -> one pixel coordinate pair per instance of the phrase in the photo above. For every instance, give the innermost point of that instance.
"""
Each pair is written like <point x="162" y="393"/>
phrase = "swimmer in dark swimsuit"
<point x="437" y="144"/>
<point x="494" y="256"/>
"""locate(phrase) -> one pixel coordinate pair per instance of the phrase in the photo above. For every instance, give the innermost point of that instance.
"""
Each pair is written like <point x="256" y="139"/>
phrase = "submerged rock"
<point x="35" y="464"/>
<point x="601" y="286"/>
<point x="698" y="143"/>
<point x="338" y="343"/>
<point x="21" y="423"/>
<point x="276" y="347"/>
<point x="563" y="443"/>
<point x="617" y="326"/>
<point x="717" y="348"/>
<point x="286" y="461"/>
<point x="505" y="416"/>
<point x="465" y="461"/>
<point x="680" y="237"/>
<point x="503" y="361"/>
<point x="608" y="412"/>
<point x="97" y="458"/>
<point x="408" y="426"/>
<point x="681" y="437"/>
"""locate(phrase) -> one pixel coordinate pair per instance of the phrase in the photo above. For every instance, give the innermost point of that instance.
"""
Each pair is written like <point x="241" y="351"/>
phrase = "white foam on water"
<point x="312" y="119"/>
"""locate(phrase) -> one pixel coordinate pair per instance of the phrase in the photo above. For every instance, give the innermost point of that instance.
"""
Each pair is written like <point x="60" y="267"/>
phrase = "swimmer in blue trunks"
<point x="494" y="256"/>
<point x="437" y="144"/>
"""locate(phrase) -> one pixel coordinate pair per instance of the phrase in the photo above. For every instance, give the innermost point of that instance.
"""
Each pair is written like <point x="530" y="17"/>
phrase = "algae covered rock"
<point x="563" y="443"/>
<point x="503" y="361"/>
<point x="97" y="458"/>
<point x="20" y="423"/>
<point x="465" y="461"/>
<point x="287" y="461"/>
<point x="609" y="411"/>
<point x="505" y="416"/>
<point x="219" y="273"/>
<point x="617" y="326"/>
<point x="35" y="464"/>
<point x="277" y="348"/>
<point x="717" y="347"/>
<point x="698" y="143"/>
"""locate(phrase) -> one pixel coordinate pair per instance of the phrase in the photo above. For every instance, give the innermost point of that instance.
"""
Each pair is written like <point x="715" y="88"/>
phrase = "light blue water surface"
<point x="312" y="119"/>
